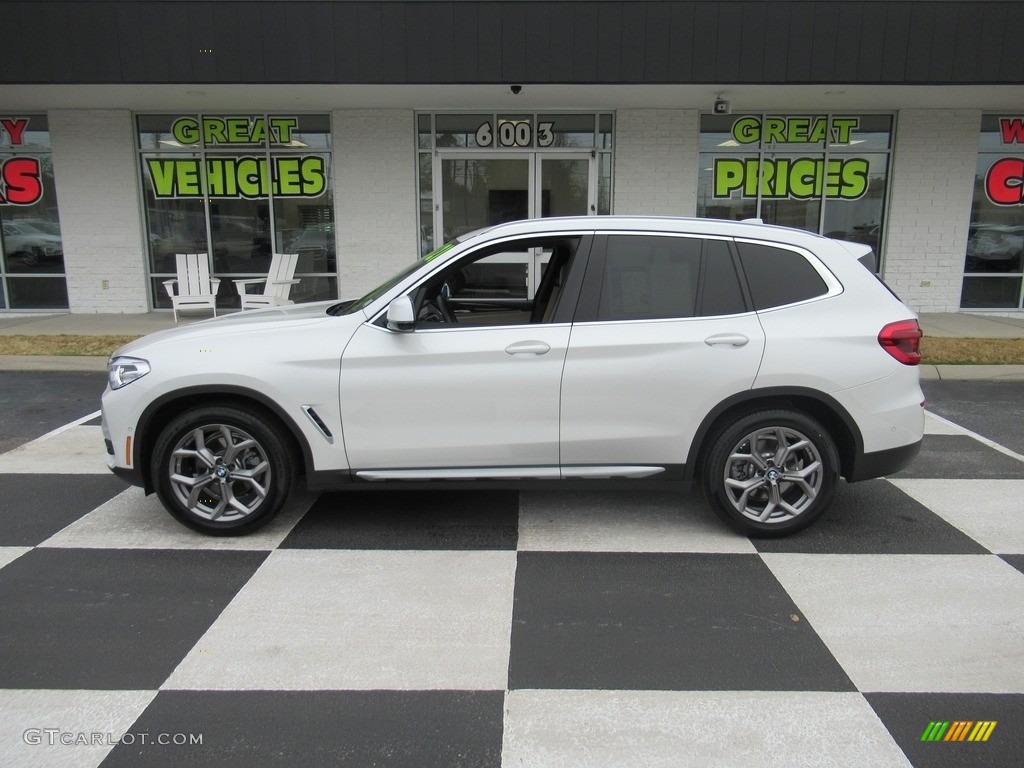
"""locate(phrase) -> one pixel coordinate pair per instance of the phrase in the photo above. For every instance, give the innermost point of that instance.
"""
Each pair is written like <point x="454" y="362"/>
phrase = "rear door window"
<point x="660" y="277"/>
<point x="649" y="278"/>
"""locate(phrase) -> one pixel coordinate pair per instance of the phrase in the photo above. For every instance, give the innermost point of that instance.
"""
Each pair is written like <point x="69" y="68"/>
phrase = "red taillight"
<point x="902" y="340"/>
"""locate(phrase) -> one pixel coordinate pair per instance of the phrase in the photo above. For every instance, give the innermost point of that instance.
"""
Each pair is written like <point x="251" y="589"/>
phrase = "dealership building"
<point x="362" y="135"/>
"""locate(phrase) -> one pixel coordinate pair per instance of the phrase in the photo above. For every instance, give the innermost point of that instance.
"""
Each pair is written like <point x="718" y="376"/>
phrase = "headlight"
<point x="125" y="370"/>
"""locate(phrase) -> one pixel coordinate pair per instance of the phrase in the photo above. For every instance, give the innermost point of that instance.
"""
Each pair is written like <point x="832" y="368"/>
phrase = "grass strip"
<point x="63" y="345"/>
<point x="942" y="351"/>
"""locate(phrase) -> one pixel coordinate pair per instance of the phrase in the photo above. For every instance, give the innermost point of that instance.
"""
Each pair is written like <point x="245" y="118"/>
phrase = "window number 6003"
<point x="515" y="134"/>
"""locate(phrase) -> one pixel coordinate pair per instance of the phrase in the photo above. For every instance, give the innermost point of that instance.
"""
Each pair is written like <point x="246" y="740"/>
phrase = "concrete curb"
<point x="52" y="363"/>
<point x="972" y="372"/>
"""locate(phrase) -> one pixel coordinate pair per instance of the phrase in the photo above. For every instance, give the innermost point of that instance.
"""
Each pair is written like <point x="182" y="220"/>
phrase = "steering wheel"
<point x="437" y="309"/>
<point x="444" y="308"/>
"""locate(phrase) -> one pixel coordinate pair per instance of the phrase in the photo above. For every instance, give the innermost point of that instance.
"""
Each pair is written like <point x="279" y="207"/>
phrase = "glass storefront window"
<point x="426" y="193"/>
<point x="212" y="185"/>
<point x="461" y="130"/>
<point x="860" y="219"/>
<point x="721" y="199"/>
<point x="604" y="127"/>
<point x="31" y="245"/>
<point x="822" y="173"/>
<point x="995" y="236"/>
<point x="423" y="132"/>
<point x="604" y="184"/>
<point x="565" y="131"/>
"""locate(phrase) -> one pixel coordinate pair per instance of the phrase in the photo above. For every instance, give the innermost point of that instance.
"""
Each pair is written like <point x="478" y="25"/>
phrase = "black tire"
<point x="28" y="258"/>
<point x="245" y="467"/>
<point x="753" y="495"/>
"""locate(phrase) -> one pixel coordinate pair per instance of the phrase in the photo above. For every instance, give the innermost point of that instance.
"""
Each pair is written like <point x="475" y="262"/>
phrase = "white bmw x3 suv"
<point x="763" y="362"/>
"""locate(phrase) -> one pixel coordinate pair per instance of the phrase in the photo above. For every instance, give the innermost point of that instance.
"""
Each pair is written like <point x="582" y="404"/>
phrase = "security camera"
<point x="516" y="89"/>
<point x="722" y="107"/>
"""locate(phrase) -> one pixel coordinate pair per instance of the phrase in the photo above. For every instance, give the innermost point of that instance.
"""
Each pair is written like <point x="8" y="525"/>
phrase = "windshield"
<point x="347" y="308"/>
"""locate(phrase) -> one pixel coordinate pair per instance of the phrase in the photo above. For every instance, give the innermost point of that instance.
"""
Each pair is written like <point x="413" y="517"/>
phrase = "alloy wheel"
<point x="773" y="474"/>
<point x="220" y="473"/>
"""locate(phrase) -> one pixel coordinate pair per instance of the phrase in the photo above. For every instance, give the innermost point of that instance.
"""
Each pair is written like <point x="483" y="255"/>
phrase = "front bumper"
<point x="118" y="426"/>
<point x="130" y="476"/>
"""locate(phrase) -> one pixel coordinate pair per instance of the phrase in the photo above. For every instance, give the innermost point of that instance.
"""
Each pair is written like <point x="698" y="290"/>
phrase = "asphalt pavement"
<point x="485" y="627"/>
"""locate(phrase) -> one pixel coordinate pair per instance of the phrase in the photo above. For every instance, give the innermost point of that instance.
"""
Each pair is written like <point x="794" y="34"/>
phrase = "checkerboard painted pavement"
<point x="490" y="627"/>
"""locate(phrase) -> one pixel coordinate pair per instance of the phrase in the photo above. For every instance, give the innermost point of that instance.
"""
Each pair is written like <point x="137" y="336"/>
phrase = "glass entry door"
<point x="566" y="186"/>
<point x="479" y="191"/>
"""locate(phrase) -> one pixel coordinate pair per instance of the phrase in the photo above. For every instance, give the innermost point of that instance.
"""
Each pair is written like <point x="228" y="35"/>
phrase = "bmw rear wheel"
<point x="223" y="470"/>
<point x="771" y="473"/>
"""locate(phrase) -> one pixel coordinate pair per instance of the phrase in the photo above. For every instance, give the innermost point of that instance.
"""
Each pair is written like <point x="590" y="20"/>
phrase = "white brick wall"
<point x="656" y="161"/>
<point x="374" y="196"/>
<point x="933" y="171"/>
<point x="101" y="224"/>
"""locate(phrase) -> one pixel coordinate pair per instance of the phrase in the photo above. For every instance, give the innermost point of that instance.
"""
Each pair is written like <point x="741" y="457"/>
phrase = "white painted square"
<point x="989" y="511"/>
<point x="57" y="729"/>
<point x="132" y="520"/>
<point x="10" y="554"/>
<point x="930" y="623"/>
<point x="362" y="620"/>
<point x="669" y="729"/>
<point x="933" y="425"/>
<point x="623" y="521"/>
<point x="72" y="451"/>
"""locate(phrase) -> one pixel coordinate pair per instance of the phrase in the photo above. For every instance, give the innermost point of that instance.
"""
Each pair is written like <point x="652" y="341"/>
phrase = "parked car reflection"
<point x="28" y="247"/>
<point x="995" y="248"/>
<point x="315" y="246"/>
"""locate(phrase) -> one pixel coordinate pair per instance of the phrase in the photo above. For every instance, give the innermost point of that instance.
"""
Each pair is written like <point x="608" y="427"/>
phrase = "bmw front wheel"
<point x="223" y="470"/>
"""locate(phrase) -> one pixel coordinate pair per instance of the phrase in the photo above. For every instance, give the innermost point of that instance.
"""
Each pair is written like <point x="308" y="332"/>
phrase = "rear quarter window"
<point x="777" y="276"/>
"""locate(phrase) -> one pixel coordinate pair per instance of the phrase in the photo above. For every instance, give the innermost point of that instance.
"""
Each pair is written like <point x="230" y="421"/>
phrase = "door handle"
<point x="731" y="339"/>
<point x="528" y="348"/>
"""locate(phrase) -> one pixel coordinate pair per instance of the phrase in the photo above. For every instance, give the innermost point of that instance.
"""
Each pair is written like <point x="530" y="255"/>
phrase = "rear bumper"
<point x="883" y="463"/>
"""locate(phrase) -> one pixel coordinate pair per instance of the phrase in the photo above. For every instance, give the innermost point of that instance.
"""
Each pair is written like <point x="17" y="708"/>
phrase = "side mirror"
<point x="400" y="315"/>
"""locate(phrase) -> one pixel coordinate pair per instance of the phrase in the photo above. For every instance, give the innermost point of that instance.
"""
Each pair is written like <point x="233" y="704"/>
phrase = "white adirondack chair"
<point x="195" y="288"/>
<point x="277" y="283"/>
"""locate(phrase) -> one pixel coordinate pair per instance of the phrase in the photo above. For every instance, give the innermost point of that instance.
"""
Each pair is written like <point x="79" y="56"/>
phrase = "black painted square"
<point x="110" y="619"/>
<point x="907" y="715"/>
<point x="418" y="729"/>
<point x="1017" y="561"/>
<point x="430" y="519"/>
<point x="960" y="456"/>
<point x="876" y="517"/>
<point x="34" y="507"/>
<point x="661" y="622"/>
